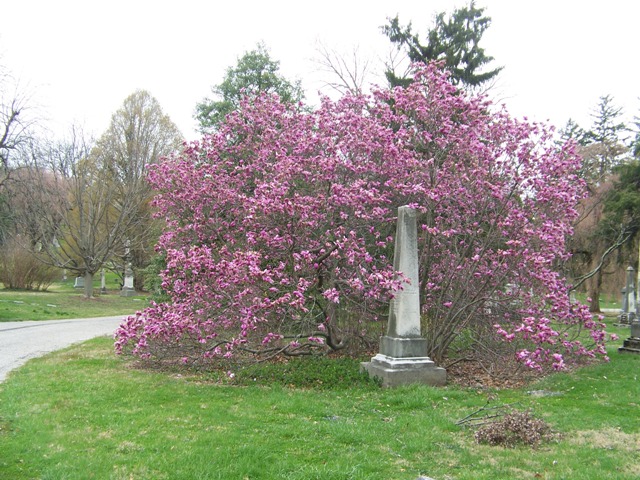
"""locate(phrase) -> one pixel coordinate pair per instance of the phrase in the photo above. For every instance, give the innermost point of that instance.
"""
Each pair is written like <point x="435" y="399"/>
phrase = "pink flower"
<point x="284" y="216"/>
<point x="332" y="294"/>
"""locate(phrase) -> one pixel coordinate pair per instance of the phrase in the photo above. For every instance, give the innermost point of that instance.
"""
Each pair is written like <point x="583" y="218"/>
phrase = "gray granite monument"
<point x="629" y="316"/>
<point x="628" y="308"/>
<point x="632" y="344"/>
<point x="403" y="352"/>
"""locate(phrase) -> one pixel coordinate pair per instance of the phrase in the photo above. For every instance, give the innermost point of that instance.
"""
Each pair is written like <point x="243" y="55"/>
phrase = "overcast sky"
<point x="81" y="59"/>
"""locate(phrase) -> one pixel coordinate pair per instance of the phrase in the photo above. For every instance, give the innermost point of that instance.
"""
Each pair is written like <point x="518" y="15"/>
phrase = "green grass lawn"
<point x="61" y="301"/>
<point x="607" y="301"/>
<point x="83" y="413"/>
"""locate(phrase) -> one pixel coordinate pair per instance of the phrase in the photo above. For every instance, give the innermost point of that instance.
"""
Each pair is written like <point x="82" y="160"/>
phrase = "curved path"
<point x="21" y="341"/>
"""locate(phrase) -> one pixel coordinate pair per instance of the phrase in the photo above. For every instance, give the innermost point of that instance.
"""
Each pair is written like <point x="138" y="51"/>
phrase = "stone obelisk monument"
<point x="403" y="352"/>
<point x="629" y="315"/>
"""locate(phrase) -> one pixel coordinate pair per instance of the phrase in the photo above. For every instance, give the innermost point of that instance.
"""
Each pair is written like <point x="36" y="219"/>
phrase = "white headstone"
<point x="103" y="283"/>
<point x="127" y="288"/>
<point x="631" y="292"/>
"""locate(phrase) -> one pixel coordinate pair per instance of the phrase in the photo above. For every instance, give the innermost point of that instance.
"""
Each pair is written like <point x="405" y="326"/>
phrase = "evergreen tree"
<point x="605" y="138"/>
<point x="453" y="39"/>
<point x="635" y="143"/>
<point x="622" y="205"/>
<point x="573" y="131"/>
<point x="255" y="72"/>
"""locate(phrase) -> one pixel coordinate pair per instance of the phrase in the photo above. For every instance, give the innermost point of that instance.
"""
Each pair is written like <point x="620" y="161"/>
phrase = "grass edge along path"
<point x="64" y="303"/>
<point x="84" y="413"/>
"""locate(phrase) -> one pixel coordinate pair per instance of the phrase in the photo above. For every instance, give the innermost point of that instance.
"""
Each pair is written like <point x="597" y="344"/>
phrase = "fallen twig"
<point x="484" y="414"/>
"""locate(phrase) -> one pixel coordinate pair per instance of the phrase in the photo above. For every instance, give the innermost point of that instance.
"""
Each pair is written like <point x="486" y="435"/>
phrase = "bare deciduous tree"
<point x="77" y="219"/>
<point x="348" y="73"/>
<point x="15" y="125"/>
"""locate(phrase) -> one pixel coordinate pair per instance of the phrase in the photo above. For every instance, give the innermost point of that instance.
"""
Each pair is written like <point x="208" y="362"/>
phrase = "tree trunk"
<point x="594" y="293"/>
<point x="88" y="285"/>
<point x="138" y="283"/>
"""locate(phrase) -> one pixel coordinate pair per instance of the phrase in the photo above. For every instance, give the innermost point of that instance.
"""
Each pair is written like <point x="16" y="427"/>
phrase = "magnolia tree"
<point x="279" y="229"/>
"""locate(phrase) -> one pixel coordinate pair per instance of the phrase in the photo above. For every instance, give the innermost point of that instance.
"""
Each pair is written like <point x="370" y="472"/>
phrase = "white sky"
<point x="82" y="58"/>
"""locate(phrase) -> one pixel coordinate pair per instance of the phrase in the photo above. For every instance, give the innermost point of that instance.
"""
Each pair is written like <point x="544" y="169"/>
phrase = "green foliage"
<point x="152" y="279"/>
<point x="314" y="372"/>
<point x="635" y="142"/>
<point x="453" y="39"/>
<point x="622" y="205"/>
<point x="573" y="131"/>
<point x="636" y="146"/>
<point x="255" y="72"/>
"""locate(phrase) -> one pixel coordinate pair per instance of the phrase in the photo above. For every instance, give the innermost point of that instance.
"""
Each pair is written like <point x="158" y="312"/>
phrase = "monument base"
<point x="630" y="345"/>
<point x="396" y="347"/>
<point x="127" y="292"/>
<point x="625" y="319"/>
<point x="394" y="372"/>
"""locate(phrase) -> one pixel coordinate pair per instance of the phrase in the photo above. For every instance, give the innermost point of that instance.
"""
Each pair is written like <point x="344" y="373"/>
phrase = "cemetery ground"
<point x="85" y="413"/>
<point x="62" y="301"/>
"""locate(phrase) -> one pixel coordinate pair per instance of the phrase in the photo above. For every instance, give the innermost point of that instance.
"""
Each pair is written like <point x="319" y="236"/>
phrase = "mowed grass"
<point x="61" y="301"/>
<point x="83" y="413"/>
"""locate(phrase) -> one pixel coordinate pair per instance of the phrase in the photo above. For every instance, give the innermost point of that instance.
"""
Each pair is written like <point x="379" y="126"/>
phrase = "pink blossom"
<point x="332" y="294"/>
<point x="285" y="217"/>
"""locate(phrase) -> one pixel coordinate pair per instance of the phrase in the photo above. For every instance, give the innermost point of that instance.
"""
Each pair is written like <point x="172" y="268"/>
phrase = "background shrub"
<point x="20" y="269"/>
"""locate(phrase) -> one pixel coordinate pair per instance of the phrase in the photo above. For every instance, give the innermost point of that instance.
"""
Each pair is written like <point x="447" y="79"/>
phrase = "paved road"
<point x="21" y="341"/>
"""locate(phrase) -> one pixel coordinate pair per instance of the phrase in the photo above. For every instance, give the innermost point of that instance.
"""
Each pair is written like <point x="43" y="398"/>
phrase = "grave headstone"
<point x="79" y="283"/>
<point x="628" y="306"/>
<point x="631" y="293"/>
<point x="403" y="355"/>
<point x="127" y="288"/>
<point x="631" y="344"/>
<point x="624" y="304"/>
<point x="103" y="283"/>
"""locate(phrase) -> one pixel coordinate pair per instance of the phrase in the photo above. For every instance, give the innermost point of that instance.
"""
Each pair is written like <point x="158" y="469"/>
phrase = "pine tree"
<point x="453" y="39"/>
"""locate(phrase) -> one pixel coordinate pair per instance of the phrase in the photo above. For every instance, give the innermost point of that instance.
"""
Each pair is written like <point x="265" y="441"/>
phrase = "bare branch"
<point x="349" y="73"/>
<point x="623" y="237"/>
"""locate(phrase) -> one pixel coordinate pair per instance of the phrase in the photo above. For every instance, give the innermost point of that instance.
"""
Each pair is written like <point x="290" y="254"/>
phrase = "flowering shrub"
<point x="279" y="228"/>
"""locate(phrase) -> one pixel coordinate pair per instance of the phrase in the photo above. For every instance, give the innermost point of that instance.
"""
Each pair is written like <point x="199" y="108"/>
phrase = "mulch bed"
<point x="471" y="374"/>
